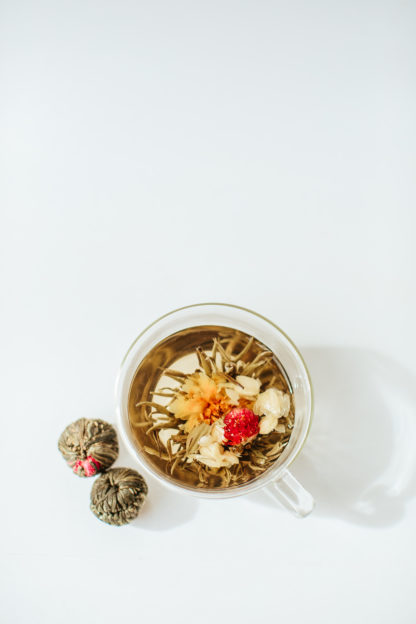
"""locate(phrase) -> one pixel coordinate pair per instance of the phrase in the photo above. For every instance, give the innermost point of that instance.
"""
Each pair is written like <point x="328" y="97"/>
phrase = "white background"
<point x="161" y="153"/>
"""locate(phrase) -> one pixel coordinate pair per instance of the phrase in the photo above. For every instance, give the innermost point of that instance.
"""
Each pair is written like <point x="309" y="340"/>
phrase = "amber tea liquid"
<point x="177" y="352"/>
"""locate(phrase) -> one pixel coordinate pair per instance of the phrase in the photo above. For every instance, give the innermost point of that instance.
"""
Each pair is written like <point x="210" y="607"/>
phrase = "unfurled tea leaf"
<point x="155" y="452"/>
<point x="194" y="436"/>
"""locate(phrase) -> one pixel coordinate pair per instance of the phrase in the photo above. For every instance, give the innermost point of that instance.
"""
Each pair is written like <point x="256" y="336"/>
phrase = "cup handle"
<point x="289" y="493"/>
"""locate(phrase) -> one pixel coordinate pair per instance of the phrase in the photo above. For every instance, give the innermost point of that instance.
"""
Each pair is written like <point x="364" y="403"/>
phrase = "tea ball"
<point x="89" y="446"/>
<point x="118" y="495"/>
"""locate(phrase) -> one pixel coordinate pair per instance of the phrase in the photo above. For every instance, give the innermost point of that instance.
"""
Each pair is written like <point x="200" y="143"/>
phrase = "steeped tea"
<point x="211" y="406"/>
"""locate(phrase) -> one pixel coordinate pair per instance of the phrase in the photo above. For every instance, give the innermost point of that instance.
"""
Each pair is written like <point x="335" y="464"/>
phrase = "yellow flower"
<point x="200" y="399"/>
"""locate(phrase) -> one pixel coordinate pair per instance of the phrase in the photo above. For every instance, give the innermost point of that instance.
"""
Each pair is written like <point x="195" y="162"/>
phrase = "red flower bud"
<point x="240" y="424"/>
<point x="90" y="466"/>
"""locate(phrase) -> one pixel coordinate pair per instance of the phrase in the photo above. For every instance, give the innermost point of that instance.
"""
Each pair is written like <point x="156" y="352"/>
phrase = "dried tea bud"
<point x="118" y="495"/>
<point x="89" y="446"/>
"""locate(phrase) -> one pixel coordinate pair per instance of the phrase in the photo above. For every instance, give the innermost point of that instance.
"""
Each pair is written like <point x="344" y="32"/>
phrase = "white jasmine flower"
<point x="271" y="405"/>
<point x="215" y="456"/>
<point x="212" y="453"/>
<point x="246" y="387"/>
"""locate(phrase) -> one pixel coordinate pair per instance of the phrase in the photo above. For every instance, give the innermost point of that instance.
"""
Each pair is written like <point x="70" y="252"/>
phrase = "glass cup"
<point x="277" y="480"/>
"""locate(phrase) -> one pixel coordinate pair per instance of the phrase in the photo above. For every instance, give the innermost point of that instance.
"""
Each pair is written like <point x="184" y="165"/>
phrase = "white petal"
<point x="251" y="386"/>
<point x="205" y="440"/>
<point x="217" y="432"/>
<point x="233" y="395"/>
<point x="267" y="424"/>
<point x="165" y="435"/>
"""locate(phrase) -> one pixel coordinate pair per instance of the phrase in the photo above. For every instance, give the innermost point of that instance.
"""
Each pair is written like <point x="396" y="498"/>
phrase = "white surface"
<point x="156" y="154"/>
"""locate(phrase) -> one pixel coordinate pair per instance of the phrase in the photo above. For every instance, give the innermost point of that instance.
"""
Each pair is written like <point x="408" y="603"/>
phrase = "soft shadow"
<point x="359" y="461"/>
<point x="163" y="509"/>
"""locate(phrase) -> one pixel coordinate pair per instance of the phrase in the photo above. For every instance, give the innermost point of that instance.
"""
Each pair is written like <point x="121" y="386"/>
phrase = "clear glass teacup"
<point x="277" y="480"/>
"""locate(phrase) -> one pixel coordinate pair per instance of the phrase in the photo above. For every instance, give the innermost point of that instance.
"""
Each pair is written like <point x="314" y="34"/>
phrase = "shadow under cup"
<point x="131" y="387"/>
